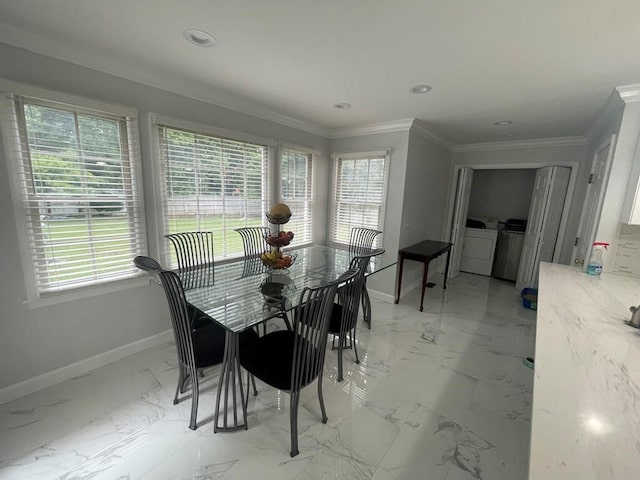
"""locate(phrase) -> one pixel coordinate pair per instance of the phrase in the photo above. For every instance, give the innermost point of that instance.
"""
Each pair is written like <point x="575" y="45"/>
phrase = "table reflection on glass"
<point x="242" y="294"/>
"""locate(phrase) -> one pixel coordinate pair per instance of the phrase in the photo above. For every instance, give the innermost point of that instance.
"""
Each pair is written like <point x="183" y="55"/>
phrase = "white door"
<point x="593" y="201"/>
<point x="551" y="242"/>
<point x="535" y="223"/>
<point x="459" y="221"/>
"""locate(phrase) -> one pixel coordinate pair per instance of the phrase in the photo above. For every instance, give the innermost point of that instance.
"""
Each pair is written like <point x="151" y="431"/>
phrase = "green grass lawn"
<point x="73" y="251"/>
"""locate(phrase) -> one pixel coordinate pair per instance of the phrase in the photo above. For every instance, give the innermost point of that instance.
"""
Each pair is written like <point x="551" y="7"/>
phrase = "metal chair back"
<point x="147" y="264"/>
<point x="362" y="239"/>
<point x="254" y="240"/>
<point x="350" y="292"/>
<point x="179" y="319"/>
<point x="194" y="252"/>
<point x="183" y="334"/>
<point x="311" y="328"/>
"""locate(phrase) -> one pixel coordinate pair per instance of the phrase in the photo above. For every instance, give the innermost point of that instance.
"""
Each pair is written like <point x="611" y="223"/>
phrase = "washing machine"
<point x="509" y="250"/>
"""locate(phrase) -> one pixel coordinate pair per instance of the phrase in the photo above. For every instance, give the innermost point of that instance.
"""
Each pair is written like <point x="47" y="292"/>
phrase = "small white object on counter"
<point x="586" y="396"/>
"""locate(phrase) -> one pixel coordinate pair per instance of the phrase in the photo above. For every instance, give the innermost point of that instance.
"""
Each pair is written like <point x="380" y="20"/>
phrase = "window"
<point x="212" y="184"/>
<point x="358" y="194"/>
<point x="296" y="192"/>
<point x="80" y="210"/>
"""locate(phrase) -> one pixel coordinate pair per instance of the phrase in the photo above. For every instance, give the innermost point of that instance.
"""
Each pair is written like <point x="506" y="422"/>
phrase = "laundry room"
<point x="501" y="204"/>
<point x="498" y="199"/>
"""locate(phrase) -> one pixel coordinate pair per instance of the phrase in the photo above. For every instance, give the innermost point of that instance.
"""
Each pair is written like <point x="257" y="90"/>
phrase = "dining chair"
<point x="252" y="266"/>
<point x="289" y="360"/>
<point x="194" y="253"/>
<point x="344" y="313"/>
<point x="254" y="240"/>
<point x="196" y="349"/>
<point x="361" y="239"/>
<point x="198" y="318"/>
<point x="147" y="264"/>
<point x="255" y="244"/>
<point x="360" y="242"/>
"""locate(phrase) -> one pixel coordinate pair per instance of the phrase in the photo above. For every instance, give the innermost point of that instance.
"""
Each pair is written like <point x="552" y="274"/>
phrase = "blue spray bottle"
<point x="594" y="267"/>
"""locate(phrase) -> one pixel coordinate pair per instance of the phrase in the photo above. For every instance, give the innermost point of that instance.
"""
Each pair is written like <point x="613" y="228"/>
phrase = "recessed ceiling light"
<point x="418" y="89"/>
<point x="502" y="123"/>
<point x="342" y="106"/>
<point x="199" y="38"/>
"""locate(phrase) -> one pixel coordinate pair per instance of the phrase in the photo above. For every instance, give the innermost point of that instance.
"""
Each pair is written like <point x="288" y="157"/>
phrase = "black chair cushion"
<point x="248" y="339"/>
<point x="336" y="319"/>
<point x="271" y="359"/>
<point x="198" y="318"/>
<point x="208" y="344"/>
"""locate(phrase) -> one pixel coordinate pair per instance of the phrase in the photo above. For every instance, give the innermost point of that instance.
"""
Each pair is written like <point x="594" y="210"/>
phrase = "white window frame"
<point x="158" y="120"/>
<point x="9" y="122"/>
<point x="336" y="158"/>
<point x="312" y="154"/>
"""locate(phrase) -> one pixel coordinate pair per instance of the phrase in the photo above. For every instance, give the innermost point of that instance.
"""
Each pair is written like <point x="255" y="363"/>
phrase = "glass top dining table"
<point x="241" y="294"/>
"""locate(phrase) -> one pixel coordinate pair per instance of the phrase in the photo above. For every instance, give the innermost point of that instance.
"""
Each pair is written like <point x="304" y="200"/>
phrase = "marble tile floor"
<point x="438" y="395"/>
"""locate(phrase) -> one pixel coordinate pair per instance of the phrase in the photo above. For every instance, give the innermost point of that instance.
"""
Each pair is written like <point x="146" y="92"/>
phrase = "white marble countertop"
<point x="586" y="396"/>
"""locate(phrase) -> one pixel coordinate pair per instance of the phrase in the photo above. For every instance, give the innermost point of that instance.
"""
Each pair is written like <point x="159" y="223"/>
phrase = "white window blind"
<point x="296" y="192"/>
<point x="80" y="205"/>
<point x="212" y="184"/>
<point x="359" y="188"/>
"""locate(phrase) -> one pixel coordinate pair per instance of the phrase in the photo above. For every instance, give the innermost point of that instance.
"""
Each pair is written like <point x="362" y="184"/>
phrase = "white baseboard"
<point x="58" y="375"/>
<point x="385" y="297"/>
<point x="406" y="289"/>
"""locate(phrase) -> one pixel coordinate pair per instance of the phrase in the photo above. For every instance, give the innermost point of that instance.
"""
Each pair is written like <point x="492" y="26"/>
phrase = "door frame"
<point x="573" y="177"/>
<point x="536" y="232"/>
<point x="458" y="224"/>
<point x="586" y="238"/>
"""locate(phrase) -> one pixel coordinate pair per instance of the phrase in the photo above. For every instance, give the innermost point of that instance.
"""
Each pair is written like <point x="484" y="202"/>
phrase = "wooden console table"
<point x="423" y="252"/>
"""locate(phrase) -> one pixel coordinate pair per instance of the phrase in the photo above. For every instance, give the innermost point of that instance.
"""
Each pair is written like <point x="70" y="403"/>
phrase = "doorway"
<point x="514" y="203"/>
<point x="542" y="241"/>
<point x="594" y="198"/>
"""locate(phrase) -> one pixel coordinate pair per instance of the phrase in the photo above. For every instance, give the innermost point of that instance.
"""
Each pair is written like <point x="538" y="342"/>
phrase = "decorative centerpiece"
<point x="275" y="288"/>
<point x="278" y="215"/>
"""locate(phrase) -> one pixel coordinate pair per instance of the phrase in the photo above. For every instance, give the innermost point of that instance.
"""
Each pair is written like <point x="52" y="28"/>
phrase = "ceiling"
<point x="547" y="65"/>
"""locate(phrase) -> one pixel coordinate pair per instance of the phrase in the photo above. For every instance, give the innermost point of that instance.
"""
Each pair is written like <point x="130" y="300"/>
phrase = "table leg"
<point x="366" y="305"/>
<point x="425" y="275"/>
<point x="446" y="270"/>
<point x="230" y="382"/>
<point x="401" y="262"/>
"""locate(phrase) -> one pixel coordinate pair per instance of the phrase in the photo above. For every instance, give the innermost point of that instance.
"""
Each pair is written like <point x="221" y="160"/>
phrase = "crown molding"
<point x="522" y="144"/>
<point x="612" y="108"/>
<point x="37" y="44"/>
<point x="402" y="125"/>
<point x="282" y="119"/>
<point x="629" y="93"/>
<point x="421" y="129"/>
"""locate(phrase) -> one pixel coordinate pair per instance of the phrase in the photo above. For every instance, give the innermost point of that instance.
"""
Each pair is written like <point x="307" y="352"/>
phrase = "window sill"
<point x="87" y="292"/>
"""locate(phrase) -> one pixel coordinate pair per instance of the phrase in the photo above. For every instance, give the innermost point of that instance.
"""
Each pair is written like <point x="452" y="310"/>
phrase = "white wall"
<point x="529" y="155"/>
<point x="424" y="201"/>
<point x="34" y="341"/>
<point x="396" y="142"/>
<point x="416" y="196"/>
<point x="624" y="259"/>
<point x="628" y="129"/>
<point x="501" y="194"/>
<point x="425" y="190"/>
